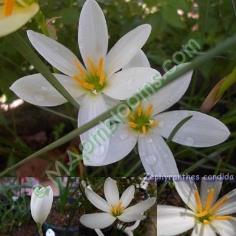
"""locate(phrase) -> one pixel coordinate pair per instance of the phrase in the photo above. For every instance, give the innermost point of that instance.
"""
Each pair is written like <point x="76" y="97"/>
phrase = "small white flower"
<point x="98" y="78"/>
<point x="205" y="215"/>
<point x="14" y="14"/>
<point x="41" y="203"/>
<point x="114" y="207"/>
<point x="147" y="125"/>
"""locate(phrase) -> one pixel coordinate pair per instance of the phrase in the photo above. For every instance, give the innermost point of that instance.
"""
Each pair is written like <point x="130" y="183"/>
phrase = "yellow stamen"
<point x="8" y="7"/>
<point x="218" y="204"/>
<point x="154" y="123"/>
<point x="86" y="85"/>
<point x="206" y="222"/>
<point x="144" y="129"/>
<point x="221" y="218"/>
<point x="210" y="198"/>
<point x="117" y="209"/>
<point x="139" y="110"/>
<point x="198" y="201"/>
<point x="92" y="67"/>
<point x="132" y="124"/>
<point x="81" y="69"/>
<point x="149" y="110"/>
<point x="101" y="73"/>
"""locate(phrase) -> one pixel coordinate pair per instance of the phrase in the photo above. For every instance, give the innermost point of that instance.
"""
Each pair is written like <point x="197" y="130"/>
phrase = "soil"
<point x="24" y="230"/>
<point x="62" y="218"/>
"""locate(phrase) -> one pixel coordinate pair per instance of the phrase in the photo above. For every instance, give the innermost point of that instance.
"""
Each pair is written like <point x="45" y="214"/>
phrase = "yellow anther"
<point x="221" y="218"/>
<point x="85" y="84"/>
<point x="144" y="129"/>
<point x="218" y="204"/>
<point x="139" y="110"/>
<point x="101" y="73"/>
<point x="92" y="68"/>
<point x="206" y="222"/>
<point x="149" y="110"/>
<point x="117" y="209"/>
<point x="198" y="201"/>
<point x="8" y="7"/>
<point x="132" y="124"/>
<point x="210" y="198"/>
<point x="81" y="69"/>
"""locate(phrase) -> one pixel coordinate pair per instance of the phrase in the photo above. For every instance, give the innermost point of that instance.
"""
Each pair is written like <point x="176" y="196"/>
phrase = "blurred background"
<point x="25" y="128"/>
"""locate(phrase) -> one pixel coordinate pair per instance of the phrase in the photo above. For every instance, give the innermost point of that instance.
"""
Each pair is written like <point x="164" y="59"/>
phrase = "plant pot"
<point x="106" y="232"/>
<point x="62" y="231"/>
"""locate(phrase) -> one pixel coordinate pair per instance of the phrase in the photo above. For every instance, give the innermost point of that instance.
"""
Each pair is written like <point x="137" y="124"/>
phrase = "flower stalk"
<point x="26" y="51"/>
<point x="40" y="230"/>
<point x="222" y="47"/>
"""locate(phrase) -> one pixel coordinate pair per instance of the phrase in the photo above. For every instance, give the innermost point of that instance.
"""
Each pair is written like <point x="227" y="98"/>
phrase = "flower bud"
<point x="41" y="203"/>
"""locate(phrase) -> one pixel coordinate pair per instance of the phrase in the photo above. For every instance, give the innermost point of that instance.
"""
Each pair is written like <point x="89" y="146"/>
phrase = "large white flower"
<point x="100" y="77"/>
<point x="114" y="207"/>
<point x="147" y="125"/>
<point x="14" y="14"/>
<point x="205" y="214"/>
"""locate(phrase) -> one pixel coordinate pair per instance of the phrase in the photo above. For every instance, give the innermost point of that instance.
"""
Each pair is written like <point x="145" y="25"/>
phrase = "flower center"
<point x="207" y="213"/>
<point x="8" y="6"/>
<point x="94" y="78"/>
<point x="117" y="210"/>
<point x="141" y="119"/>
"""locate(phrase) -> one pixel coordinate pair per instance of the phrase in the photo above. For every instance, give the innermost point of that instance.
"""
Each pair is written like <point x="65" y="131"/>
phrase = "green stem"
<point x="229" y="43"/>
<point x="40" y="230"/>
<point x="25" y="50"/>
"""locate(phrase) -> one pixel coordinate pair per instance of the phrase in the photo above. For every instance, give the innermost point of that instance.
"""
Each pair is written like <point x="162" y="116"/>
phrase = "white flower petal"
<point x="129" y="217"/>
<point x="127" y="196"/>
<point x="207" y="184"/>
<point x="95" y="141"/>
<point x="126" y="48"/>
<point x="173" y="220"/>
<point x="230" y="206"/>
<point x="171" y="93"/>
<point x="96" y="200"/>
<point x="55" y="53"/>
<point x="203" y="230"/>
<point x="36" y="90"/>
<point x="139" y="208"/>
<point x="122" y="142"/>
<point x="156" y="157"/>
<point x="97" y="220"/>
<point x="111" y="191"/>
<point x="93" y="33"/>
<point x="41" y="203"/>
<point x="20" y="16"/>
<point x="139" y="60"/>
<point x="126" y="83"/>
<point x="200" y="131"/>
<point x="186" y="190"/>
<point x="225" y="227"/>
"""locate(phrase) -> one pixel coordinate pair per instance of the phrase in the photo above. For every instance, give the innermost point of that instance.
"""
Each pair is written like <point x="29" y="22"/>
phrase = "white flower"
<point x="100" y="77"/>
<point x="114" y="207"/>
<point x="147" y="125"/>
<point x="205" y="215"/>
<point x="41" y="203"/>
<point x="14" y="14"/>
